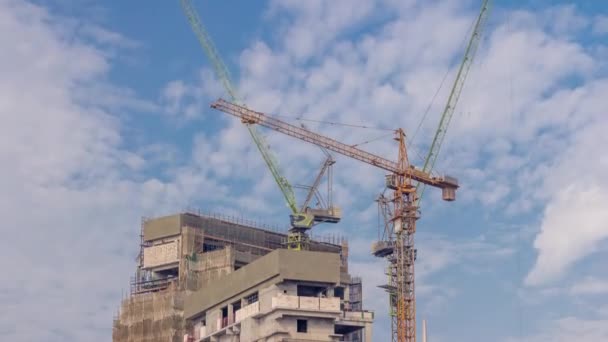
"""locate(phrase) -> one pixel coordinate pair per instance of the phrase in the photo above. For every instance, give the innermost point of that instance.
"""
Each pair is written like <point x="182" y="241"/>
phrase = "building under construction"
<point x="210" y="278"/>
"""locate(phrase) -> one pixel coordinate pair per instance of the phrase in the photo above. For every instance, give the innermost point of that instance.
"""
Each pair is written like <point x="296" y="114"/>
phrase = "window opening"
<point x="302" y="325"/>
<point x="310" y="291"/>
<point x="252" y="298"/>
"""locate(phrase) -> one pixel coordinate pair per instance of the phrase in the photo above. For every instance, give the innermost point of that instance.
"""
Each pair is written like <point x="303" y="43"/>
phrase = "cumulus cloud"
<point x="188" y="100"/>
<point x="530" y="97"/>
<point x="73" y="193"/>
<point x="600" y="25"/>
<point x="590" y="286"/>
<point x="575" y="221"/>
<point x="533" y="116"/>
<point x="568" y="329"/>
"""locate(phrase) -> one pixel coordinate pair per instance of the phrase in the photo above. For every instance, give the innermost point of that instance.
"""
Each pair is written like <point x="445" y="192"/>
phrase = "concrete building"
<point x="213" y="278"/>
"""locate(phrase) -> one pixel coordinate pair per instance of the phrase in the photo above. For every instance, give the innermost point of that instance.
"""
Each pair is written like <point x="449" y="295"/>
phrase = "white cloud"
<point x="570" y="329"/>
<point x="600" y="25"/>
<point x="527" y="100"/>
<point x="436" y="253"/>
<point x="187" y="101"/>
<point x="173" y="94"/>
<point x="590" y="286"/>
<point x="73" y="195"/>
<point x="565" y="19"/>
<point x="519" y="95"/>
<point x="317" y="23"/>
<point x="575" y="220"/>
<point x="106" y="37"/>
<point x="64" y="147"/>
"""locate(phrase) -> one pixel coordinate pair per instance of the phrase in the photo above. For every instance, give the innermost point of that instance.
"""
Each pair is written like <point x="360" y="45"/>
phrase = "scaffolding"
<point x="148" y="317"/>
<point x="209" y="246"/>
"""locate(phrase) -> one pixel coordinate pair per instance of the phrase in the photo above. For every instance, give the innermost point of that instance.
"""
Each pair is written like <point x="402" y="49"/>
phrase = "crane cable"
<point x="333" y="123"/>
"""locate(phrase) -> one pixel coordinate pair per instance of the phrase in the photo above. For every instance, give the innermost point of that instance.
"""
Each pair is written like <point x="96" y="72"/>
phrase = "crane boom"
<point x="329" y="161"/>
<point x="205" y="40"/>
<point x="224" y="76"/>
<point x="450" y="106"/>
<point x="253" y="117"/>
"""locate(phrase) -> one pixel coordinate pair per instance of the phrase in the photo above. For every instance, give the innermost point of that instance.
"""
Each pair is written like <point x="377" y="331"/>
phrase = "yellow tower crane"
<point x="402" y="207"/>
<point x="399" y="180"/>
<point x="398" y="247"/>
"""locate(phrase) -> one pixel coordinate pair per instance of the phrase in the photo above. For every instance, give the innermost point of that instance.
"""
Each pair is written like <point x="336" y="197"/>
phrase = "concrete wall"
<point x="162" y="227"/>
<point x="170" y="225"/>
<point x="306" y="303"/>
<point x="209" y="266"/>
<point x="273" y="268"/>
<point x="212" y="318"/>
<point x="289" y="288"/>
<point x="279" y="319"/>
<point x="249" y="330"/>
<point x="310" y="266"/>
<point x="232" y="285"/>
<point x="247" y="311"/>
<point x="269" y="324"/>
<point x="285" y="301"/>
<point x="265" y="296"/>
<point x="319" y="329"/>
<point x="162" y="254"/>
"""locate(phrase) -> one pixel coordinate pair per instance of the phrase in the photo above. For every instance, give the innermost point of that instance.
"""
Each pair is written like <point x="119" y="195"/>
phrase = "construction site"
<point x="211" y="278"/>
<point x="203" y="277"/>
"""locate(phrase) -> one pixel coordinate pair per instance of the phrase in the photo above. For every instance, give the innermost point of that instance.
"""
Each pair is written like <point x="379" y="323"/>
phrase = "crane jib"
<point x="254" y="117"/>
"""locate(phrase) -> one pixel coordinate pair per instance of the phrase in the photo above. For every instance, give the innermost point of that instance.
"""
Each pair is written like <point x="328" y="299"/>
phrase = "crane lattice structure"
<point x="401" y="209"/>
<point x="324" y="211"/>
<point x="403" y="201"/>
<point x="301" y="221"/>
<point x="398" y="249"/>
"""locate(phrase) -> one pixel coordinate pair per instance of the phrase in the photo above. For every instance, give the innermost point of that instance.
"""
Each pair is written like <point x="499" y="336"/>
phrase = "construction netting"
<point x="148" y="317"/>
<point x="208" y="266"/>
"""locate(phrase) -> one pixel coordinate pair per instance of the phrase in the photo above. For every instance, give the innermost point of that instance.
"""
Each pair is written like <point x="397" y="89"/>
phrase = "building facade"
<point x="212" y="278"/>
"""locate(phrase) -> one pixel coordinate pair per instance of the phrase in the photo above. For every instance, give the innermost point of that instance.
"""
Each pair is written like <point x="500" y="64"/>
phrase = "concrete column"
<point x="368" y="333"/>
<point x="230" y="314"/>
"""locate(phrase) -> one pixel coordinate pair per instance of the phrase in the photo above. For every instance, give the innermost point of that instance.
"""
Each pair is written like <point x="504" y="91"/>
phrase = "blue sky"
<point x="105" y="119"/>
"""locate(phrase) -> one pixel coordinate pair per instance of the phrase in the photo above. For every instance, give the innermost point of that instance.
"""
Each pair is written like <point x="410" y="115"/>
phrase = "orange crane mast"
<point x="404" y="211"/>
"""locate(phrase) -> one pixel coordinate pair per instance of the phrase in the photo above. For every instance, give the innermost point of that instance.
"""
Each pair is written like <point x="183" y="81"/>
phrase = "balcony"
<point x="357" y="316"/>
<point x="223" y="322"/>
<point x="306" y="303"/>
<point x="230" y="324"/>
<point x="247" y="311"/>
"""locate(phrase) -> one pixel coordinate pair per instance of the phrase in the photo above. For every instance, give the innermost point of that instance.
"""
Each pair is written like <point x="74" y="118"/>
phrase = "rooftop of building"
<point x="230" y="229"/>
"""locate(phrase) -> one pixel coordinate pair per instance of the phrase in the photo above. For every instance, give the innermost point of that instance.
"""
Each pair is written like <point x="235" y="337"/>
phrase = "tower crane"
<point x="388" y="248"/>
<point x="301" y="220"/>
<point x="404" y="211"/>
<point x="401" y="209"/>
